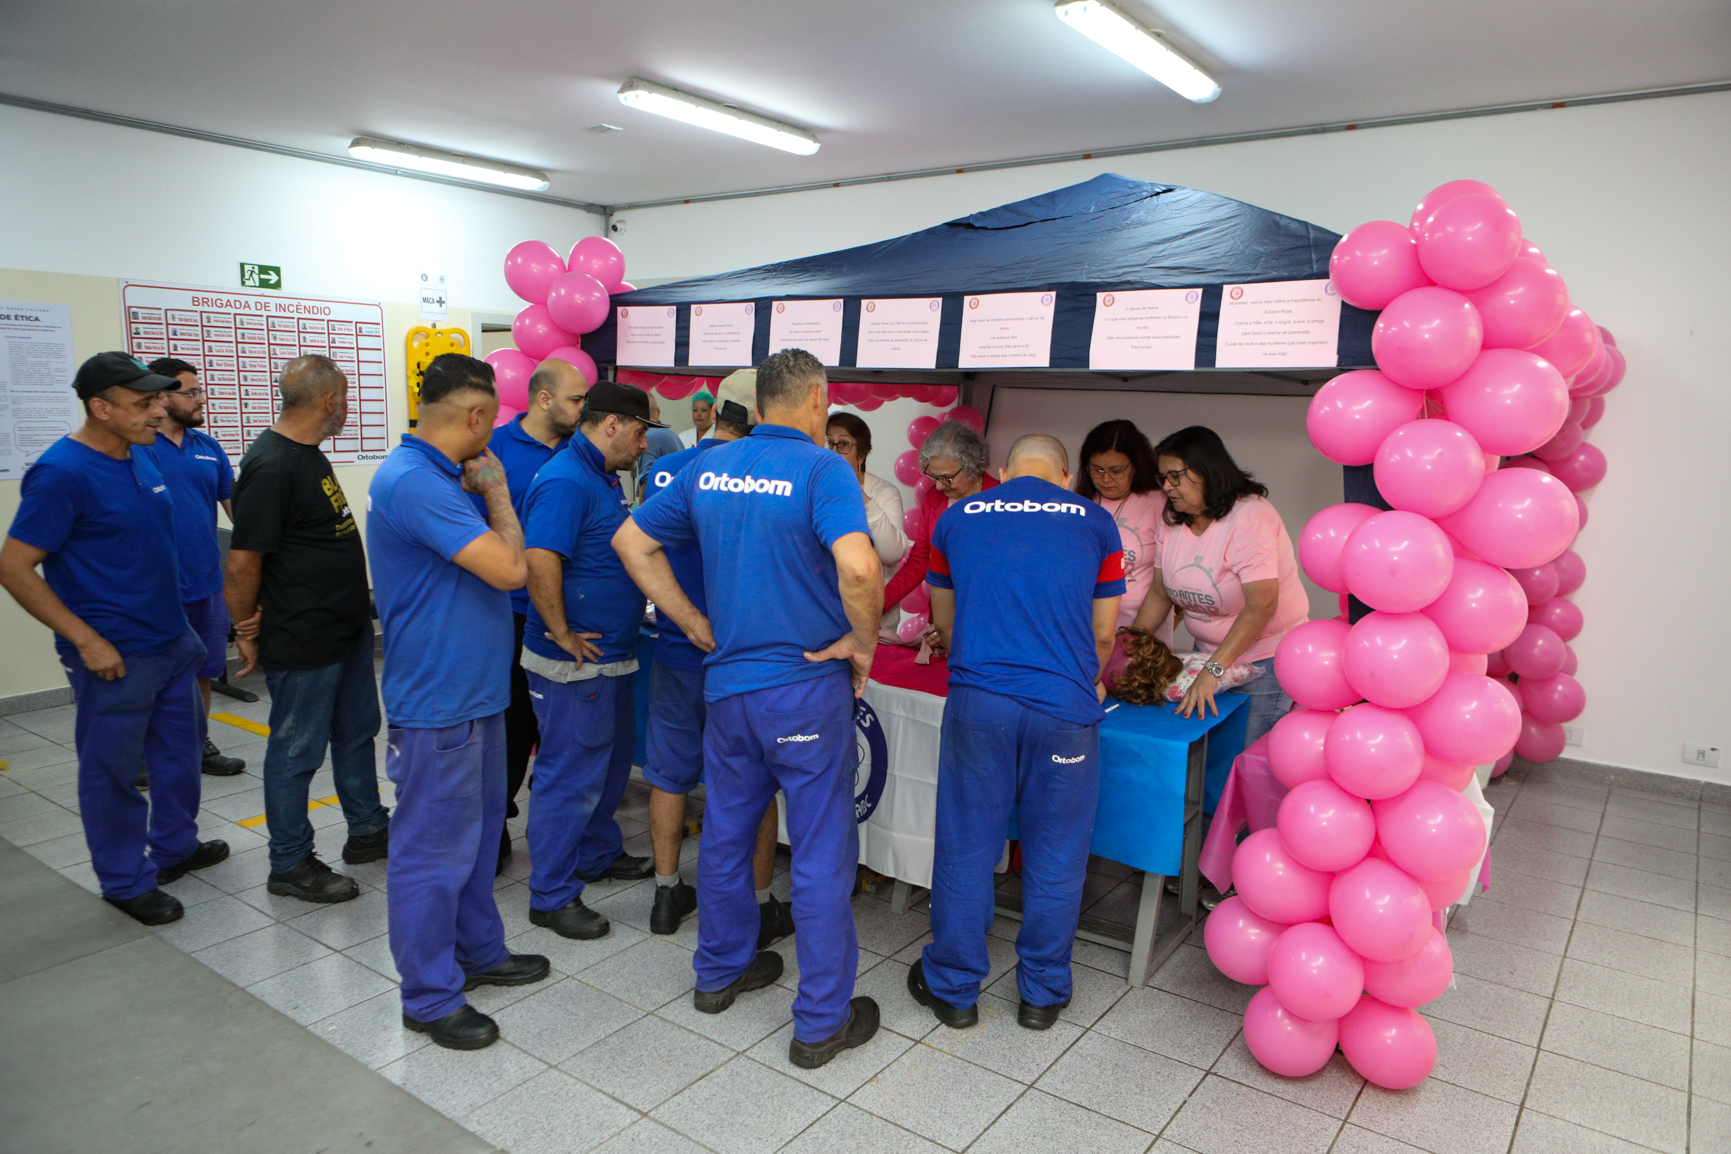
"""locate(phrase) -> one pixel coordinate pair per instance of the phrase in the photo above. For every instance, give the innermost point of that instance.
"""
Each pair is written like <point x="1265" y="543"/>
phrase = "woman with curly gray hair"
<point x="956" y="459"/>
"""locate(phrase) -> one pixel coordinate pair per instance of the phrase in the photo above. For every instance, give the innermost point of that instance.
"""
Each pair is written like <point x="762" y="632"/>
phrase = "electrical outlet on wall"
<point x="1701" y="756"/>
<point x="1574" y="735"/>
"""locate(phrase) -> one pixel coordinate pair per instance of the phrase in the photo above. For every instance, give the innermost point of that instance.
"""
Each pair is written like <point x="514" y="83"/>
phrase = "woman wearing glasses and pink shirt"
<point x="1222" y="554"/>
<point x="1119" y="474"/>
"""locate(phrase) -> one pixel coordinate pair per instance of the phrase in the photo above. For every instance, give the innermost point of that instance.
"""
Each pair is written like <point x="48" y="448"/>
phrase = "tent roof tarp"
<point x="1108" y="234"/>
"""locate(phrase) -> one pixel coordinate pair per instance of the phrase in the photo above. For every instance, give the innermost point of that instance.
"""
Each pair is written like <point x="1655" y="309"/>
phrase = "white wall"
<point x="1627" y="200"/>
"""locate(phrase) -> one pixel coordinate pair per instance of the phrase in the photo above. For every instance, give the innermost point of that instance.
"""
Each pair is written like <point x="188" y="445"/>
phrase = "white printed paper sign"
<point x="899" y="333"/>
<point x="37" y="404"/>
<point x="1007" y="330"/>
<point x="814" y="326"/>
<point x="1145" y="329"/>
<point x="1281" y="324"/>
<point x="240" y="342"/>
<point x="646" y="335"/>
<point x="721" y="335"/>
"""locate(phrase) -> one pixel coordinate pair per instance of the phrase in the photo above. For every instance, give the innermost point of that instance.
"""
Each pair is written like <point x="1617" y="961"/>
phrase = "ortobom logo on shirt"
<point x="663" y="478"/>
<point x="722" y="483"/>
<point x="1001" y="506"/>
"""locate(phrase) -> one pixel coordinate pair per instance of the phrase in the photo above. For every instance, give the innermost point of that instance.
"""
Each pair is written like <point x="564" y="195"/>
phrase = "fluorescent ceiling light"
<point x="1106" y="26"/>
<point x="441" y="163"/>
<point x="715" y="116"/>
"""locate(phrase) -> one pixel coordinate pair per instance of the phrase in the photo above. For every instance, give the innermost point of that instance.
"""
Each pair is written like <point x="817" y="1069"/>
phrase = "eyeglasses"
<point x="1172" y="479"/>
<point x="1109" y="471"/>
<point x="943" y="478"/>
<point x="842" y="445"/>
<point x="195" y="392"/>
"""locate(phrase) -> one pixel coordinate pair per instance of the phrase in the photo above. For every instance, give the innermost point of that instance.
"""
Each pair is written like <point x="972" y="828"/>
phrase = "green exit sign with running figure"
<point x="267" y="276"/>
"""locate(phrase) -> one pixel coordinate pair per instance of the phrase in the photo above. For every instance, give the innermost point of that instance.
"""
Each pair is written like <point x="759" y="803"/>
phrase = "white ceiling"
<point x="888" y="85"/>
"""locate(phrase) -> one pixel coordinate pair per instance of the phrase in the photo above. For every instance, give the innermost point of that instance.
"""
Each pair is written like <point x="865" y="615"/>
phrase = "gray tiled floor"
<point x="1592" y="1011"/>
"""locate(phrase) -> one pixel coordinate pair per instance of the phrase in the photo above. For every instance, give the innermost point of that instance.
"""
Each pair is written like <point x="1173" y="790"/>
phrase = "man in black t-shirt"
<point x="297" y="590"/>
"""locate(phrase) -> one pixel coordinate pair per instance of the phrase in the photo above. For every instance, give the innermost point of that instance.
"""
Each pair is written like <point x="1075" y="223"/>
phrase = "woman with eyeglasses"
<point x="956" y="459"/>
<point x="852" y="439"/>
<point x="1119" y="474"/>
<point x="1223" y="556"/>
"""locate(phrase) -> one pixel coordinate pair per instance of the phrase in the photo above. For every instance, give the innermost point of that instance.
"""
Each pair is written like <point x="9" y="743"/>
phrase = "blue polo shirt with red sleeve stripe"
<point x="1027" y="561"/>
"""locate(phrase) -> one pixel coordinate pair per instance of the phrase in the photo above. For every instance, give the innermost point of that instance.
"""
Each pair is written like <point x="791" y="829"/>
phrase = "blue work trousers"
<point x="997" y="755"/>
<point x="673" y="761"/>
<point x="333" y="705"/>
<point x="154" y="714"/>
<point x="444" y="922"/>
<point x="795" y="738"/>
<point x="588" y="734"/>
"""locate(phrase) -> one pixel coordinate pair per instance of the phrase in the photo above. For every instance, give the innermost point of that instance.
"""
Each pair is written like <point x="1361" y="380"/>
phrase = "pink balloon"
<point x="1415" y="981"/>
<point x="1595" y="412"/>
<point x="920" y="428"/>
<point x="1442" y="193"/>
<point x="1538" y="584"/>
<point x="531" y="267"/>
<point x="678" y="388"/>
<point x="1527" y="463"/>
<point x="1442" y="894"/>
<point x="601" y="259"/>
<point x="1350" y="416"/>
<point x="1397" y="561"/>
<point x="1581" y="470"/>
<point x="1373" y="752"/>
<point x="1427" y="337"/>
<point x="1496" y="665"/>
<point x="1273" y="883"/>
<point x="1374" y="263"/>
<point x="1598" y="370"/>
<point x="911" y="522"/>
<point x="1445" y="773"/>
<point x="1283" y="1042"/>
<point x="1310" y="664"/>
<point x="1561" y="614"/>
<point x="1580" y="511"/>
<point x="1468" y="662"/>
<point x="1557" y="699"/>
<point x="1429" y="467"/>
<point x="870" y="404"/>
<point x="941" y="395"/>
<point x="578" y="302"/>
<point x="1614" y="375"/>
<point x="924" y="485"/>
<point x="1571" y="663"/>
<point x="1323" y="538"/>
<point x="1295" y="747"/>
<point x="1510" y="400"/>
<point x="1396" y="659"/>
<point x="506" y="414"/>
<point x="1571" y="346"/>
<point x="576" y="357"/>
<point x="1571" y="573"/>
<point x="1239" y="940"/>
<point x="1378" y="910"/>
<point x="1481" y="610"/>
<point x="912" y="628"/>
<point x="1469" y="721"/>
<point x="1389" y="1046"/>
<point x="1469" y="241"/>
<point x="1605" y="336"/>
<point x="1523" y="306"/>
<point x="908" y="467"/>
<point x="1540" y="741"/>
<point x="511" y="373"/>
<point x="1536" y="653"/>
<point x="919" y="599"/>
<point x="625" y="286"/>
<point x="536" y="334"/>
<point x="1313" y="972"/>
<point x="1579" y="407"/>
<point x="1431" y="831"/>
<point x="1561" y="446"/>
<point x="968" y="414"/>
<point x="1519" y="518"/>
<point x="1515" y="692"/>
<point x="1324" y="827"/>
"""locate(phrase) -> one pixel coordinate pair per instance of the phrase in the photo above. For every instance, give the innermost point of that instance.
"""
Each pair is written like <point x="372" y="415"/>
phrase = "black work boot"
<point x="464" y="1028"/>
<point x="311" y="880"/>
<point x="516" y="970"/>
<point x="219" y="764"/>
<point x="775" y="922"/>
<point x="764" y="969"/>
<point x="861" y="1025"/>
<point x="672" y="903"/>
<point x="572" y="921"/>
<point x="208" y="853"/>
<point x="153" y="909"/>
<point x="624" y="868"/>
<point x="955" y="1017"/>
<point x="362" y="848"/>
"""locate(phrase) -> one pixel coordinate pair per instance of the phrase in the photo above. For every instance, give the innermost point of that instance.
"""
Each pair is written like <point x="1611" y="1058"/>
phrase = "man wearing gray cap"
<point x="98" y="518"/>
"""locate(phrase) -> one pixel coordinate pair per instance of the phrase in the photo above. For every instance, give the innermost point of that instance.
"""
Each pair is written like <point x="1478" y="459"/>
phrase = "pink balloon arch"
<point x="1475" y="422"/>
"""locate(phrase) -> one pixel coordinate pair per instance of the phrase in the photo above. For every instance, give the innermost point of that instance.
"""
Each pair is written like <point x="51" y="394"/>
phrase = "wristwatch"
<point x="1218" y="670"/>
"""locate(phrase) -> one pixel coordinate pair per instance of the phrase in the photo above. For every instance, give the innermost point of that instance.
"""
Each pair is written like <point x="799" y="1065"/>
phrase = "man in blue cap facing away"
<point x="794" y="592"/>
<point x="1026" y="580"/>
<point x="98" y="518"/>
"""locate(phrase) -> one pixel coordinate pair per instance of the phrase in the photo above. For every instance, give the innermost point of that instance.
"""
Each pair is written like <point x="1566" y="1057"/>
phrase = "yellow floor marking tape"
<point x="315" y="803"/>
<point x="242" y="723"/>
<point x="251" y="822"/>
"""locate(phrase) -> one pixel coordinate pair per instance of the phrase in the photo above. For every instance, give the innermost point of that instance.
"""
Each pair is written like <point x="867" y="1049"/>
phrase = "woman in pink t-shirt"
<point x="1118" y="472"/>
<point x="1223" y="555"/>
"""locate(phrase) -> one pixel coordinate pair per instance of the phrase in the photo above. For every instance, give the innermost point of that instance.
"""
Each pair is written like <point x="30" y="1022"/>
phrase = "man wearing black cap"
<point x="98" y="518"/>
<point x="580" y="651"/>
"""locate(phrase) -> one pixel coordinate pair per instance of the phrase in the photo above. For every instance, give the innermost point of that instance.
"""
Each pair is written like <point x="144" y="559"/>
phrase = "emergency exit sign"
<point x="265" y="276"/>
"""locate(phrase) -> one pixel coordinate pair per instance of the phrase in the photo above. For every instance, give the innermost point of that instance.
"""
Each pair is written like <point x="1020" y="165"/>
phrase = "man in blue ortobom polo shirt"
<point x="794" y="594"/>
<point x="442" y="576"/>
<point x="580" y="651"/>
<point x="98" y="518"/>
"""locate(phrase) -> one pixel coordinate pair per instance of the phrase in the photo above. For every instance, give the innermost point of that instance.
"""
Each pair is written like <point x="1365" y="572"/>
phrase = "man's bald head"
<point x="307" y="381"/>
<point x="557" y="377"/>
<point x="1037" y="455"/>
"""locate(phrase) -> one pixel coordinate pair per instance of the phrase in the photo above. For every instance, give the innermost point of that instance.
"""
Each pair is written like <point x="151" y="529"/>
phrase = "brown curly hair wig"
<point x="1153" y="668"/>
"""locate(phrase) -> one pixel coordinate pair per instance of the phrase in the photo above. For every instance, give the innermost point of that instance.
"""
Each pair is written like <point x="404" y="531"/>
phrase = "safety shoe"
<point x="219" y="764"/>
<point x="516" y="970"/>
<point x="365" y="847"/>
<point x="1039" y="1017"/>
<point x="764" y="969"/>
<point x="955" y="1017"/>
<point x="464" y="1028"/>
<point x="672" y="903"/>
<point x="208" y="853"/>
<point x="776" y="922"/>
<point x="573" y="921"/>
<point x="861" y="1025"/>
<point x="624" y="868"/>
<point x="311" y="880"/>
<point x="153" y="909"/>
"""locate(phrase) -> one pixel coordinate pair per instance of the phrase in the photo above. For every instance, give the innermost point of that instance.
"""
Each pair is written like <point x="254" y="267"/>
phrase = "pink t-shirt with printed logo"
<point x="1138" y="518"/>
<point x="1205" y="576"/>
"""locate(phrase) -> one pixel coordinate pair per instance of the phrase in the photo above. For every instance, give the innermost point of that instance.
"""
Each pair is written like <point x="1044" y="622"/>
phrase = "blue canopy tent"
<point x="1108" y="234"/>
